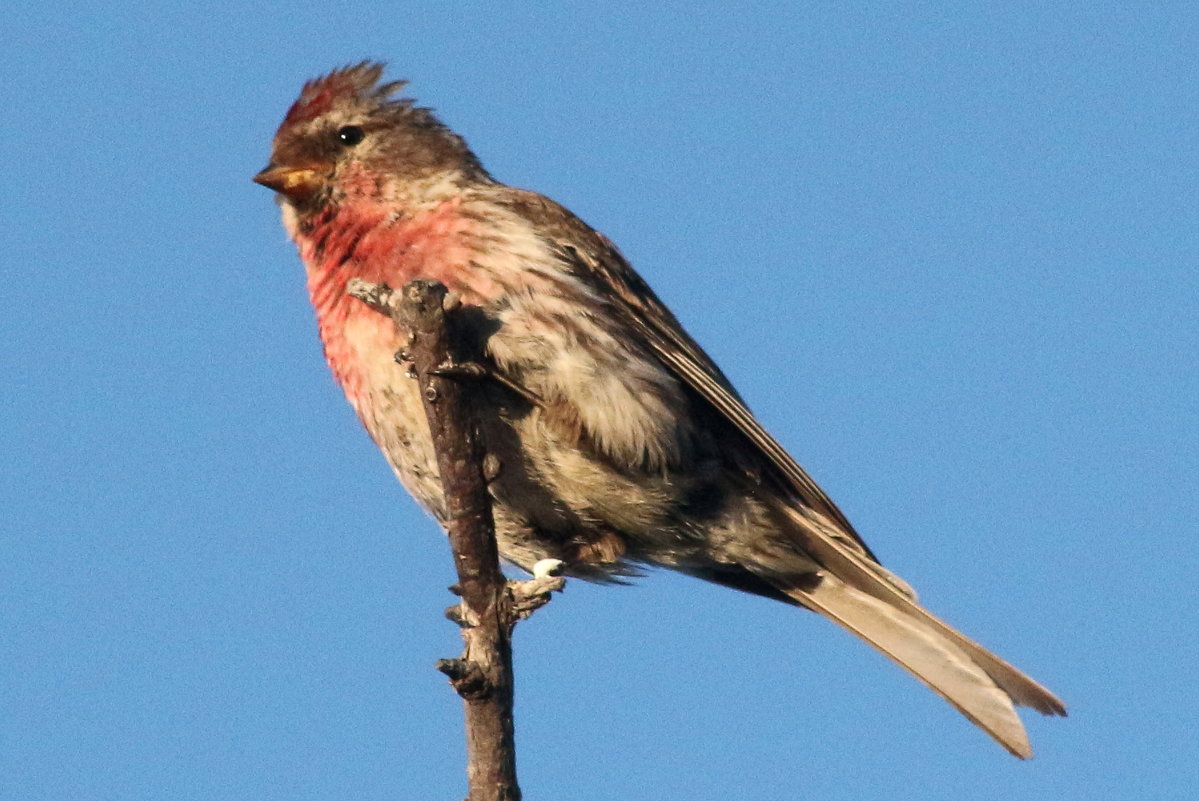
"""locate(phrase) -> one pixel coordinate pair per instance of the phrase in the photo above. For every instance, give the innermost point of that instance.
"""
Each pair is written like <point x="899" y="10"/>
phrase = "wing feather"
<point x="819" y="526"/>
<point x="824" y="531"/>
<point x="645" y="314"/>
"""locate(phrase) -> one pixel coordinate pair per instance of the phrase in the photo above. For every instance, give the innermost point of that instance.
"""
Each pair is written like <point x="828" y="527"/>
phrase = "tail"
<point x="977" y="683"/>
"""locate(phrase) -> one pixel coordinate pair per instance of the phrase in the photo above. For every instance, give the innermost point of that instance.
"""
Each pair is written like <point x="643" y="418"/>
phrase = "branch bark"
<point x="440" y="352"/>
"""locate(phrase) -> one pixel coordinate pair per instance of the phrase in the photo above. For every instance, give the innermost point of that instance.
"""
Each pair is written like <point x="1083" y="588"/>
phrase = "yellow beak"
<point x="298" y="183"/>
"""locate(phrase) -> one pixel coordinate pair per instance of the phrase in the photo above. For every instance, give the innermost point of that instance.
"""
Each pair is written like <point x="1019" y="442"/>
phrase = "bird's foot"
<point x="548" y="568"/>
<point x="529" y="596"/>
<point x="476" y="371"/>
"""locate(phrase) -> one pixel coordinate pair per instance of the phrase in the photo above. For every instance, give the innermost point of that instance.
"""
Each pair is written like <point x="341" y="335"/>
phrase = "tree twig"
<point x="447" y="371"/>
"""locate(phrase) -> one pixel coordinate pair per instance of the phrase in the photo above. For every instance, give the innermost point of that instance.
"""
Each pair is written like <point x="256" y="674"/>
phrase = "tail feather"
<point x="1023" y="690"/>
<point x="957" y="669"/>
<point x="820" y="538"/>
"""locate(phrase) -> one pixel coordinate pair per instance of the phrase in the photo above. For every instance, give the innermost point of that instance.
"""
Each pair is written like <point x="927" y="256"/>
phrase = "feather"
<point x="855" y="590"/>
<point x="925" y="652"/>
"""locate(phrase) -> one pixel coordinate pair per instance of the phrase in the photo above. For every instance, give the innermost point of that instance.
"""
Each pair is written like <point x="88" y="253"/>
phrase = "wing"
<point x="645" y="315"/>
<point x="819" y="526"/>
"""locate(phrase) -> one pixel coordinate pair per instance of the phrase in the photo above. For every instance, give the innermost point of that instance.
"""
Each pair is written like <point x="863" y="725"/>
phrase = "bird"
<point x="622" y="445"/>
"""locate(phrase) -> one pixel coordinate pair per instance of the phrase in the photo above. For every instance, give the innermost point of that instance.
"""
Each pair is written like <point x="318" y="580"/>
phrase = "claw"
<point x="529" y="596"/>
<point x="460" y="370"/>
<point x="475" y="370"/>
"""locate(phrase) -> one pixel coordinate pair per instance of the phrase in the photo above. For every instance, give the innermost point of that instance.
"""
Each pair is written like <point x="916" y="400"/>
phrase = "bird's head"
<point x="349" y="134"/>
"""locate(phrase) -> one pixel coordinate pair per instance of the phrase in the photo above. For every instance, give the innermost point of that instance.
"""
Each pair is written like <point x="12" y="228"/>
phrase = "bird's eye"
<point x="350" y="135"/>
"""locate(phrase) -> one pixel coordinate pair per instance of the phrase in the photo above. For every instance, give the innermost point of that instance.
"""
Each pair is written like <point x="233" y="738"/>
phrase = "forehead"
<point x="319" y="99"/>
<point x="349" y="88"/>
<point x="322" y="105"/>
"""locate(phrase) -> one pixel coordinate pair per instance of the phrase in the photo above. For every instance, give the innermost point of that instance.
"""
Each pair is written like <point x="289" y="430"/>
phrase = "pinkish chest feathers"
<point x="365" y="240"/>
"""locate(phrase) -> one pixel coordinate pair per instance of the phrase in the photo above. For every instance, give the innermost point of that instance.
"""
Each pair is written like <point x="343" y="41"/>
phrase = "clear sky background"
<point x="946" y="251"/>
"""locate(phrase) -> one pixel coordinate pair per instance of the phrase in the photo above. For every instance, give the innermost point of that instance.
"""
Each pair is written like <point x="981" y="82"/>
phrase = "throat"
<point x="376" y="243"/>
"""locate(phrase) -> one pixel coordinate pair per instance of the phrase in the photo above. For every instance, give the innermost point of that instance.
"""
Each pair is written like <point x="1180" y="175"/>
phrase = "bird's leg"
<point x="379" y="295"/>
<point x="477" y="371"/>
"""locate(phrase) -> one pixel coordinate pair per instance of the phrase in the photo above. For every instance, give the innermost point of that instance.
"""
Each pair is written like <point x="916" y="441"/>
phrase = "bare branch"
<point x="447" y="371"/>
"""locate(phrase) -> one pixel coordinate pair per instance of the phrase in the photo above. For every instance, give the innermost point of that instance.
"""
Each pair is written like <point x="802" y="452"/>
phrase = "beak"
<point x="297" y="183"/>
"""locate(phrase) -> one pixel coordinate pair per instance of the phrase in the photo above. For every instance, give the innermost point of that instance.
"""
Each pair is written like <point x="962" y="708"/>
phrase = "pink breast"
<point x="365" y="241"/>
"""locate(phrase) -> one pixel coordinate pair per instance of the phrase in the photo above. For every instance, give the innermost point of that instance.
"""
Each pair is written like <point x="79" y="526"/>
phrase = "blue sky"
<point x="947" y="253"/>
